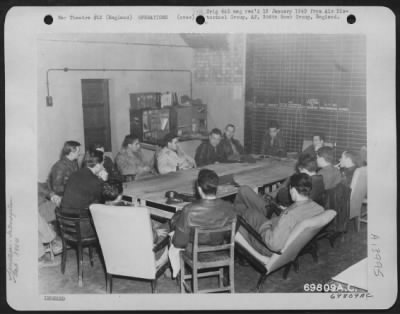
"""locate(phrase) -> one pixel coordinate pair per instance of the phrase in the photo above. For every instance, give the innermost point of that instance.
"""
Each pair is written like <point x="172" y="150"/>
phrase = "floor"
<point x="331" y="262"/>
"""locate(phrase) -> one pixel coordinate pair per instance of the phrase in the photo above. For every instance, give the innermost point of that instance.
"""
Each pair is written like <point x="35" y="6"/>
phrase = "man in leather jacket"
<point x="208" y="153"/>
<point x="206" y="212"/>
<point x="230" y="148"/>
<point x="273" y="143"/>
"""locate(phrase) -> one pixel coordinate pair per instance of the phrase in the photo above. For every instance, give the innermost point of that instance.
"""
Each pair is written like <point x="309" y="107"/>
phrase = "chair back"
<point x="338" y="199"/>
<point x="70" y="227"/>
<point x="302" y="233"/>
<point x="228" y="230"/>
<point x="126" y="240"/>
<point x="358" y="191"/>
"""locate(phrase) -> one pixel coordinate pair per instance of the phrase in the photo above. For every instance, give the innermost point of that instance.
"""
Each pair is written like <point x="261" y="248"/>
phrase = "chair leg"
<point x="232" y="278"/>
<point x="91" y="255"/>
<point x="221" y="277"/>
<point x="80" y="265"/>
<point x="182" y="275"/>
<point x="195" y="280"/>
<point x="50" y="251"/>
<point x="286" y="270"/>
<point x="109" y="283"/>
<point x="63" y="257"/>
<point x="261" y="282"/>
<point x="357" y="223"/>
<point x="296" y="265"/>
<point x="154" y="286"/>
<point x="314" y="251"/>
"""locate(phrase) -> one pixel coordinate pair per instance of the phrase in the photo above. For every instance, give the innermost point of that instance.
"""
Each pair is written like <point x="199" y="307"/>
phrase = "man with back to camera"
<point x="318" y="141"/>
<point x="273" y="143"/>
<point x="172" y="158"/>
<point x="83" y="189"/>
<point x="230" y="148"/>
<point x="209" y="211"/>
<point x="330" y="174"/>
<point x="276" y="231"/>
<point x="207" y="152"/>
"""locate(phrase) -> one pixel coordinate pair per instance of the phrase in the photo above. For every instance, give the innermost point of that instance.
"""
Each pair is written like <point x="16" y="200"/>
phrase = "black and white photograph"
<point x="168" y="154"/>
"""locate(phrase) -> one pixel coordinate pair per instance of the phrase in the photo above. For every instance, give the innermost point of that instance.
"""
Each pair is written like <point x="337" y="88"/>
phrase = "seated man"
<point x="348" y="164"/>
<point x="330" y="174"/>
<point x="45" y="237"/>
<point x="172" y="158"/>
<point x="207" y="153"/>
<point x="205" y="212"/>
<point x="317" y="142"/>
<point x="306" y="164"/>
<point x="230" y="148"/>
<point x="108" y="164"/>
<point x="276" y="231"/>
<point x="62" y="170"/>
<point x="273" y="143"/>
<point x="130" y="160"/>
<point x="84" y="188"/>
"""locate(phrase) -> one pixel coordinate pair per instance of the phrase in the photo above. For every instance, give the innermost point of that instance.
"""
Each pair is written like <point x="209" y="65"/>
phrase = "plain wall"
<point x="224" y="96"/>
<point x="64" y="120"/>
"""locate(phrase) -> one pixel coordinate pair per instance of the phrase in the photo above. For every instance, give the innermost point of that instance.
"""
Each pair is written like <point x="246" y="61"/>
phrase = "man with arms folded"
<point x="207" y="153"/>
<point x="230" y="148"/>
<point x="130" y="160"/>
<point x="172" y="158"/>
<point x="273" y="143"/>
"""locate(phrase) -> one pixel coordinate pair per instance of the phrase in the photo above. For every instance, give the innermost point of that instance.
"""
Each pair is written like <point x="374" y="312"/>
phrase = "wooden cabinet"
<point x="152" y="124"/>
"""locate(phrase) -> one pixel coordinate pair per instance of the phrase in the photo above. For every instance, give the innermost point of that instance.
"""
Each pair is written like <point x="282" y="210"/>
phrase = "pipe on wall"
<point x="114" y="70"/>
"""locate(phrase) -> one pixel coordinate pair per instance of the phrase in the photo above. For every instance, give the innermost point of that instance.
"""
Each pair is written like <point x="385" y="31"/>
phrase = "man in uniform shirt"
<point x="130" y="160"/>
<point x="276" y="231"/>
<point x="172" y="158"/>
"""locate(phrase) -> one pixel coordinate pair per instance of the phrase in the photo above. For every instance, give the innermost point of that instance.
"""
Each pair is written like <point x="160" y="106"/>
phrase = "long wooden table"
<point x="256" y="175"/>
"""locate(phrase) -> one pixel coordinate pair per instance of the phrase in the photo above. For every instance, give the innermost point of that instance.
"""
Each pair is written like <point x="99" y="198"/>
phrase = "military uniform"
<point x="275" y="231"/>
<point x="169" y="161"/>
